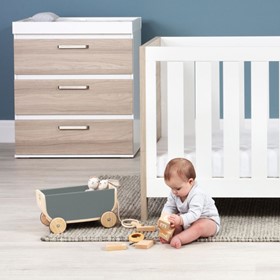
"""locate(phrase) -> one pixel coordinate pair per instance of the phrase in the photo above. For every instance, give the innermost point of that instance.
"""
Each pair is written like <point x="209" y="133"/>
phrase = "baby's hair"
<point x="183" y="167"/>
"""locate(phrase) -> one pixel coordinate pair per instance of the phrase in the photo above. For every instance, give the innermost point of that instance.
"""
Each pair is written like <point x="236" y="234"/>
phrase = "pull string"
<point x="127" y="223"/>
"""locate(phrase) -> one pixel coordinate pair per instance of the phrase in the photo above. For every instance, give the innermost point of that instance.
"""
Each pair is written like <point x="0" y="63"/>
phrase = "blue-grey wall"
<point x="160" y="18"/>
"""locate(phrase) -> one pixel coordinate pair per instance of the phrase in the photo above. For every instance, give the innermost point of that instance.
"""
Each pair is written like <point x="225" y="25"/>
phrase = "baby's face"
<point x="179" y="186"/>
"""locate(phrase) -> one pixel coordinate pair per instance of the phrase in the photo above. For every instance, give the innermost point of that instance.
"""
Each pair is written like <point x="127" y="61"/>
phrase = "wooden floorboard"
<point x="24" y="256"/>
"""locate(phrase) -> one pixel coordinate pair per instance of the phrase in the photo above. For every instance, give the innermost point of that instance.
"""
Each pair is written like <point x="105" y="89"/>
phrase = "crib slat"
<point x="242" y="96"/>
<point x="175" y="109"/>
<point x="259" y="97"/>
<point x="216" y="96"/>
<point x="203" y="119"/>
<point x="151" y="122"/>
<point x="189" y="101"/>
<point x="233" y="96"/>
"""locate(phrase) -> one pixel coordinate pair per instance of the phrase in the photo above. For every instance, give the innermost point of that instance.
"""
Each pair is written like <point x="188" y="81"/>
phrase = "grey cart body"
<point x="62" y="206"/>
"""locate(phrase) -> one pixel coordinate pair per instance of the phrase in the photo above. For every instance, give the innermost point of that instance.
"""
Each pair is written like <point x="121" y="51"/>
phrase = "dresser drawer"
<point x="73" y="56"/>
<point x="70" y="97"/>
<point x="74" y="137"/>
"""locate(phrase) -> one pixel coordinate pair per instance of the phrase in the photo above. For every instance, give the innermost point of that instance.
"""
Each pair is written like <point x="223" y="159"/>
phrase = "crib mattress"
<point x="217" y="152"/>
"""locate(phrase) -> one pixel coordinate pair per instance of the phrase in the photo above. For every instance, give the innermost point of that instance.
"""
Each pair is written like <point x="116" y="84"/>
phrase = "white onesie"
<point x="196" y="206"/>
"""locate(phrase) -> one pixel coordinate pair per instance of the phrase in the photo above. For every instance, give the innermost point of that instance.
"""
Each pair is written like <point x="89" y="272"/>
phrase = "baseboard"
<point x="7" y="131"/>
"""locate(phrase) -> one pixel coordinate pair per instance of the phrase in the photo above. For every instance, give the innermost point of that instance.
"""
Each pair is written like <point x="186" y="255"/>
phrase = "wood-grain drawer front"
<point x="74" y="137"/>
<point x="94" y="97"/>
<point x="83" y="56"/>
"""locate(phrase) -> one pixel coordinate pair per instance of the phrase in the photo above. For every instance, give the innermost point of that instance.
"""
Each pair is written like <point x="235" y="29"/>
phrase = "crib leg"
<point x="144" y="209"/>
<point x="143" y="184"/>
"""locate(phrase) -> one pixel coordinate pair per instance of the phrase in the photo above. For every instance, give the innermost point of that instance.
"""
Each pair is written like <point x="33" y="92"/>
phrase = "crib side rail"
<point x="205" y="116"/>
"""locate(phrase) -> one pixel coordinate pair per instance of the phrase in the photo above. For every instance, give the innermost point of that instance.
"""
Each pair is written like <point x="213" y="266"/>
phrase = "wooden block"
<point x="164" y="224"/>
<point x="145" y="228"/>
<point x="144" y="244"/>
<point x="166" y="234"/>
<point x="115" y="246"/>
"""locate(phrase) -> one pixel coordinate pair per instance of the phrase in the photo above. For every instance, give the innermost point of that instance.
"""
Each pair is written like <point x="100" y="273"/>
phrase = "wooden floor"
<point x="24" y="256"/>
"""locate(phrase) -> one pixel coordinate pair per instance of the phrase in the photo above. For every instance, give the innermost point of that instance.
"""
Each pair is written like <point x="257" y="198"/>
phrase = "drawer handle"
<point x="73" y="47"/>
<point x="73" y="127"/>
<point x="73" y="87"/>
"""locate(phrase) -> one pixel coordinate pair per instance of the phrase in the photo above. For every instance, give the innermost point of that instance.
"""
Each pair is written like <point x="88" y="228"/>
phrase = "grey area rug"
<point x="242" y="220"/>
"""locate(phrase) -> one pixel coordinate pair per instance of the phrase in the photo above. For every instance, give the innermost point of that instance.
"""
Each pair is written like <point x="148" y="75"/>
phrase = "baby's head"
<point x="180" y="167"/>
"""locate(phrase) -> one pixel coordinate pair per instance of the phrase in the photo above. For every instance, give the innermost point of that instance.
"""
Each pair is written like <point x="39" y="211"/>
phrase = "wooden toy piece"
<point x="74" y="204"/>
<point x="58" y="225"/>
<point x="165" y="229"/>
<point x="145" y="228"/>
<point x="144" y="244"/>
<point x="108" y="219"/>
<point x="44" y="220"/>
<point x="166" y="234"/>
<point x="164" y="224"/>
<point x="115" y="246"/>
<point x="136" y="237"/>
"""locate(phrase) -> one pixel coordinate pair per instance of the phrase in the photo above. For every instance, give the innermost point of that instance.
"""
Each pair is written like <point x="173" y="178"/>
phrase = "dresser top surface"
<point x="79" y="25"/>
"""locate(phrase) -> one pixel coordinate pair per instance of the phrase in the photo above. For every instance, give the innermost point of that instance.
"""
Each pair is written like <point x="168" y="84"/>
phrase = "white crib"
<point x="183" y="80"/>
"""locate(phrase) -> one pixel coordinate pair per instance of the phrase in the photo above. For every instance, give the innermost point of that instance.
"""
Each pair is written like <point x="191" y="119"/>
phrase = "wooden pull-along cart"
<point x="62" y="206"/>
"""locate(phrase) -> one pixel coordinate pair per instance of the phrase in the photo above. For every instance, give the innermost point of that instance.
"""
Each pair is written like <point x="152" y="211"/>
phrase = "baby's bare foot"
<point x="163" y="241"/>
<point x="176" y="242"/>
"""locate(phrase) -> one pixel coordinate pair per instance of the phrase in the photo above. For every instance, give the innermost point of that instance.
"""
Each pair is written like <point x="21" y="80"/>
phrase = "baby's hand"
<point x="175" y="220"/>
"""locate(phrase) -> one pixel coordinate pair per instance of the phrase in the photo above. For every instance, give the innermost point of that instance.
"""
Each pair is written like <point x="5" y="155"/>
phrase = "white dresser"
<point x="77" y="87"/>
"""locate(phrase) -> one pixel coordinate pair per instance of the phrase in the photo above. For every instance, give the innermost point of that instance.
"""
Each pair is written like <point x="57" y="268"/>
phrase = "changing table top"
<point x="79" y="25"/>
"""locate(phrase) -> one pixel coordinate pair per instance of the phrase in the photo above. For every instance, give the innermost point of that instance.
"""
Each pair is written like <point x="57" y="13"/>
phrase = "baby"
<point x="190" y="211"/>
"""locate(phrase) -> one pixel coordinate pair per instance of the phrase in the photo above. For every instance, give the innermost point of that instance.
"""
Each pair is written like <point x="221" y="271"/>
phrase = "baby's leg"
<point x="200" y="228"/>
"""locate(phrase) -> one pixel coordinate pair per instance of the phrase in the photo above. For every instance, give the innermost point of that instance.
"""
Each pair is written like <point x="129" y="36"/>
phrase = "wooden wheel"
<point x="108" y="219"/>
<point x="57" y="225"/>
<point x="44" y="220"/>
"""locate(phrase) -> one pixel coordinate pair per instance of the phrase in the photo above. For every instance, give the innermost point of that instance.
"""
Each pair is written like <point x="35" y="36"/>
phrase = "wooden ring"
<point x="136" y="237"/>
